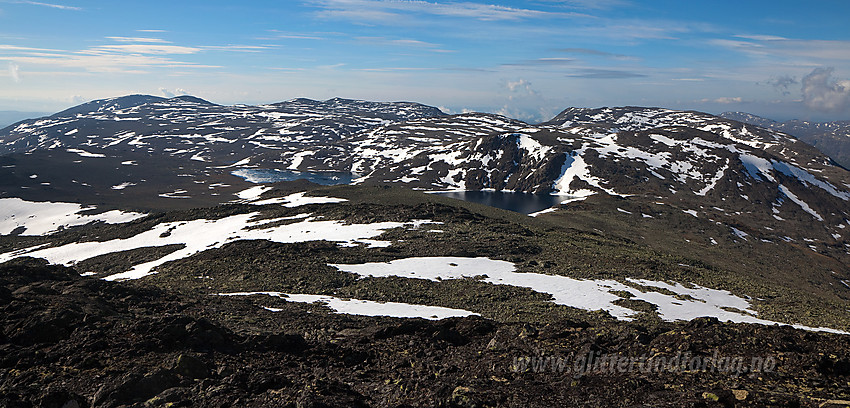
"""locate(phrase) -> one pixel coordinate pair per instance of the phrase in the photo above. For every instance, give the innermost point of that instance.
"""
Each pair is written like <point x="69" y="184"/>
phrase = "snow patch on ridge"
<point x="575" y="167"/>
<point x="201" y="234"/>
<point x="299" y="199"/>
<point x="579" y="293"/>
<point x="366" y="307"/>
<point x="42" y="218"/>
<point x="253" y="193"/>
<point x="791" y="196"/>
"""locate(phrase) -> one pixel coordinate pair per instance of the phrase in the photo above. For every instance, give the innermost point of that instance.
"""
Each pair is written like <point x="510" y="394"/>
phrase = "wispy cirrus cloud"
<point x="774" y="46"/>
<point x="725" y="100"/>
<point x="595" y="53"/>
<point x="404" y="42"/>
<point x="237" y="48"/>
<point x="389" y="11"/>
<point x="591" y="4"/>
<point x="138" y="39"/>
<point x="542" y="62"/>
<point x="38" y="3"/>
<point x="124" y="57"/>
<point x="142" y="49"/>
<point x="292" y="35"/>
<point x="761" y="37"/>
<point x="394" y="69"/>
<point x="15" y="48"/>
<point x="299" y="37"/>
<point x="596" y="73"/>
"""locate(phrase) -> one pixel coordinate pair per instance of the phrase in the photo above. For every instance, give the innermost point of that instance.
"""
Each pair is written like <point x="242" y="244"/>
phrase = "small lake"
<point x="325" y="178"/>
<point x="524" y="203"/>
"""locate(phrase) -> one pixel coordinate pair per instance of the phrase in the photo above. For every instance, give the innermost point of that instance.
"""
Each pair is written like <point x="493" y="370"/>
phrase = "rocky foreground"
<point x="69" y="341"/>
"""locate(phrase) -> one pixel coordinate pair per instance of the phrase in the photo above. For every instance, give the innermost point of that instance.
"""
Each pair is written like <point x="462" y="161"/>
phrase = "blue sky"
<point x="525" y="59"/>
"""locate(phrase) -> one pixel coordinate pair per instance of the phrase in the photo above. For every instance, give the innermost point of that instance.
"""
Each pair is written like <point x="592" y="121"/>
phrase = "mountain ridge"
<point x="703" y="164"/>
<point x="666" y="216"/>
<point x="832" y="138"/>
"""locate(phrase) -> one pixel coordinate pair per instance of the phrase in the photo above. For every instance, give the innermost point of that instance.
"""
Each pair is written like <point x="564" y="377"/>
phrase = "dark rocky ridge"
<point x="71" y="340"/>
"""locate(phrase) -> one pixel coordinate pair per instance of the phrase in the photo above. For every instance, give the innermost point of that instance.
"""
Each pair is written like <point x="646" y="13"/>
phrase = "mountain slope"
<point x="73" y="341"/>
<point x="761" y="183"/>
<point x="208" y="287"/>
<point x="832" y="138"/>
<point x="716" y="186"/>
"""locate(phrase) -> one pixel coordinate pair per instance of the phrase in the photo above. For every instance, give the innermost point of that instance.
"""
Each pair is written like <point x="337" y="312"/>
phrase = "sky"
<point x="524" y="59"/>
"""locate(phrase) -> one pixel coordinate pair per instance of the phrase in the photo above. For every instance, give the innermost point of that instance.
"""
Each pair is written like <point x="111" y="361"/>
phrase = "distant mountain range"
<point x="9" y="117"/>
<point x="708" y="165"/>
<point x="703" y="232"/>
<point x="832" y="138"/>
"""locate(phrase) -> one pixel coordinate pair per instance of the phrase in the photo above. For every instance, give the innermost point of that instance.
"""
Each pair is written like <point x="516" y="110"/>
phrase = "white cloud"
<point x="36" y="3"/>
<point x="404" y="42"/>
<point x="762" y="37"/>
<point x="297" y="36"/>
<point x="169" y="94"/>
<point x="390" y="11"/>
<point x="13" y="72"/>
<point x="824" y="93"/>
<point x="525" y="103"/>
<point x="145" y="49"/>
<point x="125" y="58"/>
<point x="237" y="48"/>
<point x="520" y="85"/>
<point x="726" y="100"/>
<point x="138" y="39"/>
<point x="592" y="4"/>
<point x="772" y="46"/>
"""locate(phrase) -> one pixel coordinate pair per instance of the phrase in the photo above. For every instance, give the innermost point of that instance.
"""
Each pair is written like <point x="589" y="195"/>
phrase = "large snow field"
<point x="42" y="218"/>
<point x="590" y="294"/>
<point x="200" y="235"/>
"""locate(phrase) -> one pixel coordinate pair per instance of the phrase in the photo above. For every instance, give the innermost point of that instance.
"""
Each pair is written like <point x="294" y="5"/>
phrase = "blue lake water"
<point x="325" y="178"/>
<point x="524" y="203"/>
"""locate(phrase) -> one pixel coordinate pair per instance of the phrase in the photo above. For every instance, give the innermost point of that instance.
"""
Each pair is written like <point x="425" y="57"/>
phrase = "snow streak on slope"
<point x="42" y="218"/>
<point x="200" y="235"/>
<point x="367" y="307"/>
<point x="582" y="294"/>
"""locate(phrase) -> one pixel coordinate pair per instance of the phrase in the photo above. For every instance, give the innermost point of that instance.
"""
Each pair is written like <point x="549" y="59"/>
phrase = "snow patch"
<point x="692" y="302"/>
<point x="299" y="199"/>
<point x="365" y="307"/>
<point x="42" y="218"/>
<point x="791" y="196"/>
<point x="253" y="193"/>
<point x="200" y="235"/>
<point x="123" y="185"/>
<point x="84" y="153"/>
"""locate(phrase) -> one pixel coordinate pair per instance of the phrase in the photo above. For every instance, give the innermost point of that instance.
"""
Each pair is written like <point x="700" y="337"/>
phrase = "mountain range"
<point x="711" y="167"/>
<point x="10" y="117"/>
<point x="676" y="231"/>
